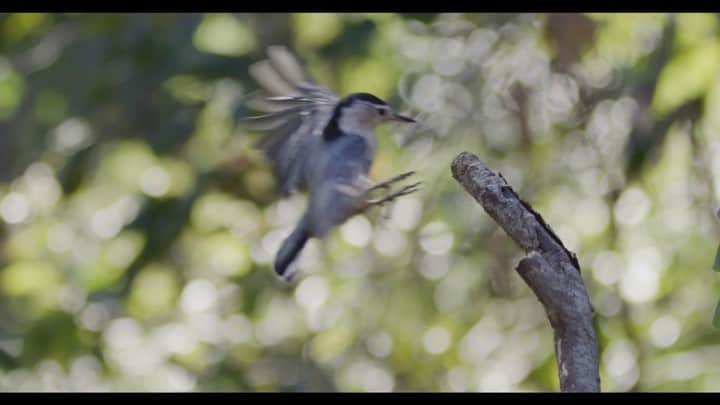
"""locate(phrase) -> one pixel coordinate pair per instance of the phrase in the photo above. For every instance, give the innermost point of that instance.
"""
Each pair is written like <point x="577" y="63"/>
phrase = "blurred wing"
<point x="297" y="110"/>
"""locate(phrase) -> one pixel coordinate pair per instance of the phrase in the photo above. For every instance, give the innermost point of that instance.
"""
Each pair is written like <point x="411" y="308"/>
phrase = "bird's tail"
<point x="289" y="250"/>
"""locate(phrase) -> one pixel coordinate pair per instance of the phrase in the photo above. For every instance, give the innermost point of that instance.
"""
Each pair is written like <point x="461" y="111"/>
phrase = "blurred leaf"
<point x="181" y="176"/>
<point x="331" y="343"/>
<point x="187" y="88"/>
<point x="224" y="34"/>
<point x="369" y="75"/>
<point x="687" y="76"/>
<point x="154" y="292"/>
<point x="11" y="90"/>
<point x="18" y="26"/>
<point x="222" y="254"/>
<point x="314" y="30"/>
<point x="113" y="260"/>
<point x="125" y="162"/>
<point x="695" y="28"/>
<point x="716" y="263"/>
<point x="26" y="244"/>
<point x="30" y="278"/>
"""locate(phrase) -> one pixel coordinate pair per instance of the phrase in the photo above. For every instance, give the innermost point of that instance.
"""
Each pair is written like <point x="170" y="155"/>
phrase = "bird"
<point x="320" y="143"/>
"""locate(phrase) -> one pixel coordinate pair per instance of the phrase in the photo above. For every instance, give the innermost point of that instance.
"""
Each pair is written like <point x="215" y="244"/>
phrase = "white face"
<point x="362" y="117"/>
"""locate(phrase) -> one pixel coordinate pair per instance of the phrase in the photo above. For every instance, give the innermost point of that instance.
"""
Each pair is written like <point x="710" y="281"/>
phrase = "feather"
<point x="297" y="110"/>
<point x="286" y="65"/>
<point x="269" y="79"/>
<point x="272" y="120"/>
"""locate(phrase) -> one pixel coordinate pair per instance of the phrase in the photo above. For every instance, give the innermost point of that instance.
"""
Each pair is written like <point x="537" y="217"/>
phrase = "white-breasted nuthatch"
<point x="320" y="143"/>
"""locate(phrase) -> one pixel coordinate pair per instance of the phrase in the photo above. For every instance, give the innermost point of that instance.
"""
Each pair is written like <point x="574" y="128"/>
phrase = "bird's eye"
<point x="382" y="111"/>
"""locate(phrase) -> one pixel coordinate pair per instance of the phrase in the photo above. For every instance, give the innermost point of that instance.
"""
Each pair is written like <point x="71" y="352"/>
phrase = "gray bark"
<point x="550" y="269"/>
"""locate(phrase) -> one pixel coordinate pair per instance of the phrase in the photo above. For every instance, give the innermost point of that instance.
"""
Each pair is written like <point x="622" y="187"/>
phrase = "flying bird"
<point x="320" y="143"/>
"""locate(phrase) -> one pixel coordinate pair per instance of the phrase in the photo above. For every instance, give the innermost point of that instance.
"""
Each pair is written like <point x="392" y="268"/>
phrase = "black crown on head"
<point x="332" y="131"/>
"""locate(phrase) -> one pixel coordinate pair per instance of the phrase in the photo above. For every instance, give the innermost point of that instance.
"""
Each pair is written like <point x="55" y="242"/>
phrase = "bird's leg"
<point x="364" y="186"/>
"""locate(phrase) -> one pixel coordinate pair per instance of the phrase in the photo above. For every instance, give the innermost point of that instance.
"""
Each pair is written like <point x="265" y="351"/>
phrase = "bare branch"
<point x="550" y="269"/>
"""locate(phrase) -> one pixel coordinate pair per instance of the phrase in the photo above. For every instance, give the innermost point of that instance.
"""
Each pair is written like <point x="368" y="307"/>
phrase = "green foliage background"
<point x="137" y="222"/>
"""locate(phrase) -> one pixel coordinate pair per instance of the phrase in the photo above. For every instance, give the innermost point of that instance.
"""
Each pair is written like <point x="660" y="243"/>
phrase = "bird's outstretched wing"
<point x="297" y="110"/>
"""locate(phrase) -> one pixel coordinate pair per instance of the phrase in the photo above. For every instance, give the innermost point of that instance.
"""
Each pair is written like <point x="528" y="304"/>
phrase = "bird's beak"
<point x="402" y="118"/>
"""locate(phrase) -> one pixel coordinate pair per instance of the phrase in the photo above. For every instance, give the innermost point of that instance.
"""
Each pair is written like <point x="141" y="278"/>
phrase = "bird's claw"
<point x="409" y="189"/>
<point x="387" y="183"/>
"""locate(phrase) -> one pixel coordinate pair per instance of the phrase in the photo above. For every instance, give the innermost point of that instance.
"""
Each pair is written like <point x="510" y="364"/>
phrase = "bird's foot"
<point x="409" y="189"/>
<point x="387" y="183"/>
